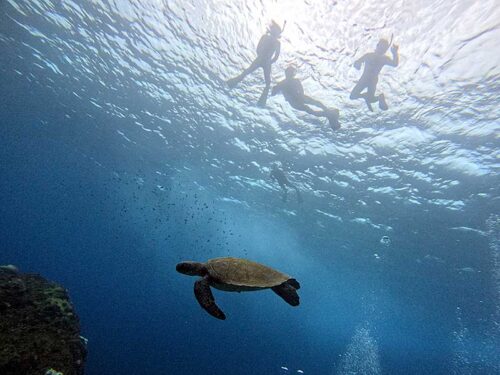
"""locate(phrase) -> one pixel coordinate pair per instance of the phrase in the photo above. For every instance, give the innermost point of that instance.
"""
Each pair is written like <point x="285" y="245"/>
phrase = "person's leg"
<point x="284" y="190"/>
<point x="299" y="197"/>
<point x="285" y="194"/>
<point x="234" y="81"/>
<point x="331" y="114"/>
<point x="370" y="95"/>
<point x="371" y="98"/>
<point x="267" y="77"/>
<point x="311" y="111"/>
<point x="317" y="103"/>
<point x="356" y="91"/>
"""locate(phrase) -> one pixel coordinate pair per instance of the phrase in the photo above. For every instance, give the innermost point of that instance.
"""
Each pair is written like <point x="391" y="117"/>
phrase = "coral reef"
<point x="39" y="329"/>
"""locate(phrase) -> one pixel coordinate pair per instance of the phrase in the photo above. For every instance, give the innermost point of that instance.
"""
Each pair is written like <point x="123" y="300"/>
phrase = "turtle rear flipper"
<point x="294" y="283"/>
<point x="287" y="292"/>
<point x="206" y="299"/>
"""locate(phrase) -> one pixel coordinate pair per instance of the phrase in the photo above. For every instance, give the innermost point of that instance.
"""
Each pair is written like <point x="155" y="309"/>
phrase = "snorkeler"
<point x="278" y="175"/>
<point x="374" y="62"/>
<point x="292" y="90"/>
<point x="268" y="51"/>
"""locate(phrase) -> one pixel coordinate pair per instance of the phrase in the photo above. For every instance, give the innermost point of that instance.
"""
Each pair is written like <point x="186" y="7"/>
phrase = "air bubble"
<point x="385" y="240"/>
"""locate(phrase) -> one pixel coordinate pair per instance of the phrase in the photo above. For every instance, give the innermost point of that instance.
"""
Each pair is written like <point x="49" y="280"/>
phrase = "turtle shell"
<point x="244" y="272"/>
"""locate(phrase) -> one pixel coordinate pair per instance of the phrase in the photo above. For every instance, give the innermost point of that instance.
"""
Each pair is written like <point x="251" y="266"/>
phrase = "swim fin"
<point x="382" y="104"/>
<point x="369" y="105"/>
<point x="333" y="118"/>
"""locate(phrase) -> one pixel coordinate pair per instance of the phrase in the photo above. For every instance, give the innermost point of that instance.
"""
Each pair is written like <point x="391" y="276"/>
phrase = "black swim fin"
<point x="382" y="104"/>
<point x="333" y="118"/>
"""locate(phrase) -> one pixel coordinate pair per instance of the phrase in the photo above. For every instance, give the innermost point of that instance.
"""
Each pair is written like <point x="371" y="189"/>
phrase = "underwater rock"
<point x="10" y="267"/>
<point x="53" y="372"/>
<point x="39" y="329"/>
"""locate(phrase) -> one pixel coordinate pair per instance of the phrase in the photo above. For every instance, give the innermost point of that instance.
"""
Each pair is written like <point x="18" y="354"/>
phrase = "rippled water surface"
<point x="123" y="151"/>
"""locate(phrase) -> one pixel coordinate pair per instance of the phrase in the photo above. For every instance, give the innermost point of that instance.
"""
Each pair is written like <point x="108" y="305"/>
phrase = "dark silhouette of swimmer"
<point x="374" y="62"/>
<point x="292" y="90"/>
<point x="278" y="175"/>
<point x="268" y="51"/>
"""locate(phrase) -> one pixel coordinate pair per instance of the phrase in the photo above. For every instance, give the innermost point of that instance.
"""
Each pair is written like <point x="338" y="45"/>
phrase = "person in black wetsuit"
<point x="268" y="51"/>
<point x="292" y="90"/>
<point x="278" y="175"/>
<point x="374" y="62"/>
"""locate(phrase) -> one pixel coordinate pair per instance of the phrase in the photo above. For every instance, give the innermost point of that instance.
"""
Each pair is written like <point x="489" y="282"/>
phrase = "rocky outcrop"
<point x="39" y="329"/>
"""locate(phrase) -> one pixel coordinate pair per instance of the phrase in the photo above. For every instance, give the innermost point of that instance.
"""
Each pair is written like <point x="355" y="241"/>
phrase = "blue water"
<point x="123" y="153"/>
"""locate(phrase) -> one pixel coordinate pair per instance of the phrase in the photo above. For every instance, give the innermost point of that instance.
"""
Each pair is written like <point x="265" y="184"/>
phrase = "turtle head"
<point x="191" y="268"/>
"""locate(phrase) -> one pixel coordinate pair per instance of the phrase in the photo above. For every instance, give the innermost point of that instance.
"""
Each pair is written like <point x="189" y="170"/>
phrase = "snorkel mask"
<point x="275" y="29"/>
<point x="383" y="45"/>
<point x="290" y="72"/>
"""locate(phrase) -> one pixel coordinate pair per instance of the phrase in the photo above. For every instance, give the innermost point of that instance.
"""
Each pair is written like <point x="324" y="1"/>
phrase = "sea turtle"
<point x="236" y="275"/>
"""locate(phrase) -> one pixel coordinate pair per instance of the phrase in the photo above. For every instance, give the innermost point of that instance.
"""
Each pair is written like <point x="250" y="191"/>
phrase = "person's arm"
<point x="395" y="56"/>
<point x="358" y="62"/>
<point x="276" y="53"/>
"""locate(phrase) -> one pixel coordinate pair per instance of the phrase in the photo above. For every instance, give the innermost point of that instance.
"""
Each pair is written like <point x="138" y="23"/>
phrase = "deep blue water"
<point x="111" y="174"/>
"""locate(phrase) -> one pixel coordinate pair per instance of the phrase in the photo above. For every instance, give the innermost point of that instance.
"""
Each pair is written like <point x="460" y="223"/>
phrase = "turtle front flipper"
<point x="206" y="299"/>
<point x="288" y="292"/>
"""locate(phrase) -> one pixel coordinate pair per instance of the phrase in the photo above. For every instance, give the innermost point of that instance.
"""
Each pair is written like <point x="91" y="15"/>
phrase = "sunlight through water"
<point x="395" y="204"/>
